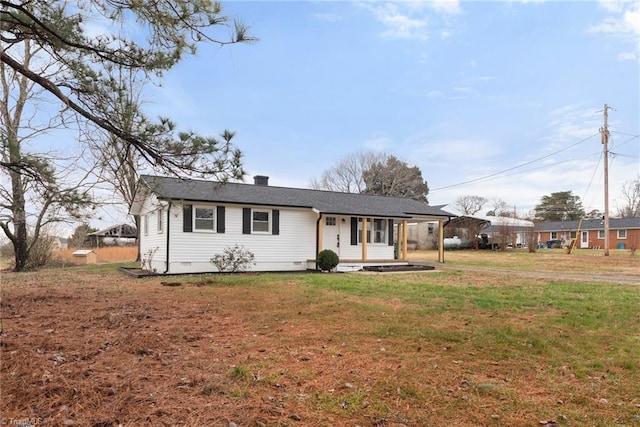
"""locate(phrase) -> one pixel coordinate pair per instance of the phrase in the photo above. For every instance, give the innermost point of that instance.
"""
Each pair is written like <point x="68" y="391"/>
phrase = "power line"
<point x="627" y="141"/>
<point x="514" y="167"/>
<point x="550" y="165"/>
<point x="595" y="170"/>
<point x="625" y="134"/>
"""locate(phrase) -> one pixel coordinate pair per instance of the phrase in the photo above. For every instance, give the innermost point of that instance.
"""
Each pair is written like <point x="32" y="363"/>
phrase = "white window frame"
<point x="145" y="224"/>
<point x="622" y="234"/>
<point x="159" y="222"/>
<point x="195" y="218"/>
<point x="554" y="235"/>
<point x="360" y="230"/>
<point x="330" y="221"/>
<point x="380" y="230"/>
<point x="371" y="231"/>
<point x="600" y="234"/>
<point x="253" y="221"/>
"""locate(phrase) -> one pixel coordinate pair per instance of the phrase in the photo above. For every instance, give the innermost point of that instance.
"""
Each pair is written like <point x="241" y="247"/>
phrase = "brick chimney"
<point x="261" y="180"/>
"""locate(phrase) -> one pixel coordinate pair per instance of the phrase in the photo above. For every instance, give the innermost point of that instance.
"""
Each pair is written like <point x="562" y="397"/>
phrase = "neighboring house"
<point x="185" y="222"/>
<point x="509" y="231"/>
<point x="121" y="235"/>
<point x="623" y="232"/>
<point x="423" y="235"/>
<point x="488" y="229"/>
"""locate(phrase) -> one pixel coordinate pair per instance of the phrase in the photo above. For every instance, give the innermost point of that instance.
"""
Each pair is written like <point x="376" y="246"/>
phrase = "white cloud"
<point x="445" y="6"/>
<point x="614" y="6"/>
<point x="381" y="143"/>
<point x="328" y="17"/>
<point x="435" y="94"/>
<point x="572" y="123"/>
<point x="623" y="20"/>
<point x="453" y="152"/>
<point x="409" y="20"/>
<point x="461" y="89"/>
<point x="398" y="24"/>
<point x="628" y="56"/>
<point x="445" y="34"/>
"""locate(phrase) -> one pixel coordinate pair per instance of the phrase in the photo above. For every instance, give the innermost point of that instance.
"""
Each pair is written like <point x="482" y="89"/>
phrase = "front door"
<point x="584" y="239"/>
<point x="331" y="234"/>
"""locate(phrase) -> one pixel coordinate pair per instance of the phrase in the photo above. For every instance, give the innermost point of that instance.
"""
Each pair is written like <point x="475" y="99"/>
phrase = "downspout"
<point x="168" y="233"/>
<point x="318" y="237"/>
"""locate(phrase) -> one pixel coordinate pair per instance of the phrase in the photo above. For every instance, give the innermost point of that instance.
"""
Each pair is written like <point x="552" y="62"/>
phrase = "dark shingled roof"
<point x="589" y="224"/>
<point x="327" y="202"/>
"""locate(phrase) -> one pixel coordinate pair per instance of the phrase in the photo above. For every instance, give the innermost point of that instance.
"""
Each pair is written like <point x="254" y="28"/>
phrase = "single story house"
<point x="423" y="235"/>
<point x="121" y="235"/>
<point x="509" y="231"/>
<point x="185" y="222"/>
<point x="488" y="230"/>
<point x="624" y="233"/>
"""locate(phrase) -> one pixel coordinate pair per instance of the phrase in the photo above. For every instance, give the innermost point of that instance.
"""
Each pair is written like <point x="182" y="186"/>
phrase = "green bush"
<point x="327" y="260"/>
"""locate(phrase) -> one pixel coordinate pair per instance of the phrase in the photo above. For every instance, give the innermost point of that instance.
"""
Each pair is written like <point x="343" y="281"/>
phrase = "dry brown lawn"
<point x="90" y="346"/>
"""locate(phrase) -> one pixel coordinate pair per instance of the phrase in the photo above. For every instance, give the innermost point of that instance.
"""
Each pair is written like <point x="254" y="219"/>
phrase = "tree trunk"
<point x="20" y="244"/>
<point x="18" y="208"/>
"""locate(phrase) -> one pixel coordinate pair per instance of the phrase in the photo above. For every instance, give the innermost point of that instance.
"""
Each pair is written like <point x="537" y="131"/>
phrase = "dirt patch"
<point x="103" y="349"/>
<point x="398" y="268"/>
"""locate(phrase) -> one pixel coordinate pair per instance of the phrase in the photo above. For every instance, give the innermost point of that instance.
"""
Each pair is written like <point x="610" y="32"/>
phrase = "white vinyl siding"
<point x="354" y="252"/>
<point x="289" y="250"/>
<point x="153" y="242"/>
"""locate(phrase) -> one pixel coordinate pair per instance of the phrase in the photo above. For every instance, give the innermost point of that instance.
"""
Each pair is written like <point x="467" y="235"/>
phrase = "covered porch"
<point x="357" y="251"/>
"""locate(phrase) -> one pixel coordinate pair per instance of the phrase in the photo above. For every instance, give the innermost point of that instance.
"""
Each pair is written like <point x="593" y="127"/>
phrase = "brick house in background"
<point x="624" y="233"/>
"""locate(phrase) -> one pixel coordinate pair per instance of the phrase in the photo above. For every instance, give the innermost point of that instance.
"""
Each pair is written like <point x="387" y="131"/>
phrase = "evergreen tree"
<point x="563" y="205"/>
<point x="143" y="37"/>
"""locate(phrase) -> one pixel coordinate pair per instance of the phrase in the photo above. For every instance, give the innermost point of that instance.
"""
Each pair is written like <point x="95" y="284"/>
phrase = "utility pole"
<point x="604" y="135"/>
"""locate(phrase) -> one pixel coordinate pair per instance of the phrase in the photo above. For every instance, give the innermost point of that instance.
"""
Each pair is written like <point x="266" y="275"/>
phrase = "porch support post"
<point x="405" y="237"/>
<point x="364" y="238"/>
<point x="440" y="240"/>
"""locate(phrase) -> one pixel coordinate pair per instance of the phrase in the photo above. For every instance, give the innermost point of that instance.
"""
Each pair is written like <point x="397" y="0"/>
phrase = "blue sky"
<point x="463" y="90"/>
